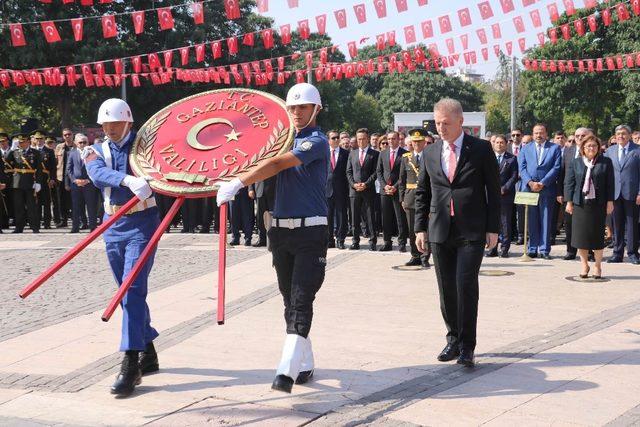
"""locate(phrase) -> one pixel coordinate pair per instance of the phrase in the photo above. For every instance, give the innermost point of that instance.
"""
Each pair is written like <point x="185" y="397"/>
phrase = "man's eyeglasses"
<point x="67" y="134"/>
<point x="384" y="143"/>
<point x="334" y="137"/>
<point x="515" y="135"/>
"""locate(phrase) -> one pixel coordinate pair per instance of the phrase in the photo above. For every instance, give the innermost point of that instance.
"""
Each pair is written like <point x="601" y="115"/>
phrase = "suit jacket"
<point x="602" y="176"/>
<point x="568" y="156"/>
<point x="75" y="166"/>
<point x="337" y="183"/>
<point x="388" y="175"/>
<point x="62" y="154"/>
<point x="508" y="170"/>
<point x="627" y="174"/>
<point x="266" y="188"/>
<point x="546" y="173"/>
<point x="365" y="173"/>
<point x="49" y="167"/>
<point x="475" y="191"/>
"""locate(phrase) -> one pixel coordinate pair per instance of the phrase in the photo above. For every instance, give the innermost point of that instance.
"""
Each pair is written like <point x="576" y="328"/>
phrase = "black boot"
<point x="148" y="361"/>
<point x="129" y="376"/>
<point x="282" y="383"/>
<point x="304" y="377"/>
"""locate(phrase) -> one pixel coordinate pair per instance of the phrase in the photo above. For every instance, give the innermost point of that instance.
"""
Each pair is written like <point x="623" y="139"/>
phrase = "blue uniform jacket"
<point x="139" y="225"/>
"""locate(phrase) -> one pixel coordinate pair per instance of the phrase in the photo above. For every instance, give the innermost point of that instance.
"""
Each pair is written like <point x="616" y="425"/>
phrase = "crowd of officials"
<point x="580" y="179"/>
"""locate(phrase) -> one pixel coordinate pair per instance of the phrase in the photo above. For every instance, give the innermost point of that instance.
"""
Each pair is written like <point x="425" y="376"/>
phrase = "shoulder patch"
<point x="315" y="133"/>
<point x="305" y="146"/>
<point x="409" y="154"/>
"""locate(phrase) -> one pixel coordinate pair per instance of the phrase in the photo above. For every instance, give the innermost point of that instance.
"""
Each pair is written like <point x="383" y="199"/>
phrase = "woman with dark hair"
<point x="589" y="192"/>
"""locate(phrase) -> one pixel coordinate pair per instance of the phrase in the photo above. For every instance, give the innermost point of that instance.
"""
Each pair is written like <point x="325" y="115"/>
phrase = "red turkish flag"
<point x="137" y="64"/>
<point x="467" y="58"/>
<point x="495" y="29"/>
<point x="464" y="17"/>
<point x="303" y="29"/>
<point x="341" y="17"/>
<point x="485" y="53"/>
<point x="619" y="62"/>
<point x="535" y="18"/>
<point x="232" y="45"/>
<point x="77" y="25"/>
<point x="445" y="24"/>
<point x="232" y="8"/>
<point x="17" y="35"/>
<point x="248" y="39"/>
<point x="324" y="55"/>
<point x="280" y="61"/>
<point x="99" y="69"/>
<point x="623" y="12"/>
<point x="109" y="28"/>
<point x="570" y="67"/>
<point x="518" y="22"/>
<point x="353" y="50"/>
<point x="292" y="3"/>
<point x="450" y="46"/>
<point x="198" y="12"/>
<point x="527" y="3"/>
<point x="427" y="29"/>
<point x="118" y="66"/>
<point x="200" y="52"/>
<point x="381" y="8"/>
<point x="216" y="49"/>
<point x="610" y="64"/>
<point x="590" y="3"/>
<point x="50" y="31"/>
<point x="482" y="35"/>
<point x="579" y="26"/>
<point x="154" y="61"/>
<point x="391" y="38"/>
<point x="486" y="11"/>
<point x="300" y="76"/>
<point x="361" y="13"/>
<point x="409" y="34"/>
<point x="401" y="5"/>
<point x="165" y="18"/>
<point x="267" y="38"/>
<point x="541" y="39"/>
<point x="87" y="75"/>
<point x="423" y="2"/>
<point x="581" y="68"/>
<point x="321" y="23"/>
<point x="553" y="35"/>
<point x="285" y="34"/>
<point x="606" y="17"/>
<point x="464" y="39"/>
<point x="308" y="59"/>
<point x="553" y="12"/>
<point x="138" y="21"/>
<point x="263" y="6"/>
<point x="593" y="23"/>
<point x="509" y="46"/>
<point x="522" y="44"/>
<point x="184" y="55"/>
<point x="635" y="6"/>
<point x="507" y="6"/>
<point x="569" y="7"/>
<point x="380" y="42"/>
<point x="629" y="61"/>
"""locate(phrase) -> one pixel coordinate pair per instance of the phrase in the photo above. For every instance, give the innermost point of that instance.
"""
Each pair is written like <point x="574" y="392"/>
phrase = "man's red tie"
<point x="333" y="158"/>
<point x="361" y="157"/>
<point x="392" y="159"/>
<point x="452" y="164"/>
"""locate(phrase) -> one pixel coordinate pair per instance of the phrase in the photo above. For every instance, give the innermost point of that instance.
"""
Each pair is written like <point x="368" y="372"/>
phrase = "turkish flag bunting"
<point x="507" y="6"/>
<point x="629" y="60"/>
<point x="324" y="55"/>
<point x="464" y="39"/>
<point x="285" y="34"/>
<point x="303" y="29"/>
<point x="485" y="53"/>
<point x="522" y="44"/>
<point x="445" y="24"/>
<point x="99" y="69"/>
<point x="553" y="12"/>
<point x="569" y="7"/>
<point x="232" y="8"/>
<point x="495" y="29"/>
<point x="17" y="35"/>
<point x="535" y="18"/>
<point x="401" y="5"/>
<point x="361" y="13"/>
<point x="419" y="54"/>
<point x="308" y="59"/>
<point x="391" y="38"/>
<point x="623" y="12"/>
<point x="450" y="46"/>
<point x="267" y="38"/>
<point x="200" y="52"/>
<point x="409" y="34"/>
<point x="108" y="81"/>
<point x="263" y="6"/>
<point x="486" y="11"/>
<point x="137" y="64"/>
<point x="299" y="76"/>
<point x="566" y="31"/>
<point x="527" y="3"/>
<point x="135" y="80"/>
<point x="118" y="66"/>
<point x="509" y="46"/>
<point x="77" y="25"/>
<point x="50" y="31"/>
<point x="619" y="62"/>
<point x="71" y="75"/>
<point x="635" y="6"/>
<point x="154" y="61"/>
<point x="109" y="28"/>
<point x="518" y="22"/>
<point x="427" y="29"/>
<point x="280" y="61"/>
<point x="292" y="3"/>
<point x="541" y="39"/>
<point x="553" y="35"/>
<point x="606" y="17"/>
<point x="482" y="35"/>
<point x="165" y="18"/>
<point x="232" y="45"/>
<point x="380" y="42"/>
<point x="381" y="8"/>
<point x="496" y="50"/>
<point x="579" y="26"/>
<point x="341" y="17"/>
<point x="467" y="58"/>
<point x="198" y="12"/>
<point x="581" y="66"/>
<point x="592" y="21"/>
<point x="610" y="64"/>
<point x="570" y="67"/>
<point x="321" y="23"/>
<point x="246" y="71"/>
<point x="353" y="50"/>
<point x="87" y="75"/>
<point x="590" y="3"/>
<point x="138" y="21"/>
<point x="216" y="49"/>
<point x="423" y="2"/>
<point x="464" y="17"/>
<point x="248" y="39"/>
<point x="184" y="55"/>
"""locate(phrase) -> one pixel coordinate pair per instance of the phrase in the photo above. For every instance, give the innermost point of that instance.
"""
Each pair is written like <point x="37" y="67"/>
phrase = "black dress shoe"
<point x="385" y="248"/>
<point x="234" y="242"/>
<point x="47" y="227"/>
<point x="129" y="376"/>
<point x="569" y="257"/>
<point x="532" y="255"/>
<point x="205" y="230"/>
<point x="331" y="244"/>
<point x="247" y="242"/>
<point x="492" y="253"/>
<point x="633" y="259"/>
<point x="340" y="244"/>
<point x="519" y="242"/>
<point x="74" y="230"/>
<point x="450" y="352"/>
<point x="425" y="263"/>
<point x="282" y="383"/>
<point x="354" y="246"/>
<point x="403" y="248"/>
<point x="372" y="247"/>
<point x="466" y="358"/>
<point x="614" y="260"/>
<point x="413" y="261"/>
<point x="304" y="377"/>
<point x="148" y="361"/>
<point x="36" y="231"/>
<point x="16" y="231"/>
<point x="504" y="254"/>
<point x="545" y="256"/>
<point x="260" y="243"/>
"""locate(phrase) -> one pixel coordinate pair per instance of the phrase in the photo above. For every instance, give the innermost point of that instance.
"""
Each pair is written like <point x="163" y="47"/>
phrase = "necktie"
<point x="539" y="148"/>
<point x="392" y="159"/>
<point x="333" y="158"/>
<point x="418" y="159"/>
<point x="499" y="158"/>
<point x="516" y="150"/>
<point x="452" y="163"/>
<point x="623" y="154"/>
<point x="361" y="157"/>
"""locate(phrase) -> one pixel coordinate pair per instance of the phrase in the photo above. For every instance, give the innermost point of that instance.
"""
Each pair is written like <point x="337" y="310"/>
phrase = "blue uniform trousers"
<point x="540" y="225"/>
<point x="136" y="319"/>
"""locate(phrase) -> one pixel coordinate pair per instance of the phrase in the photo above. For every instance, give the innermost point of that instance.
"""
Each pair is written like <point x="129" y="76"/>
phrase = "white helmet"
<point x="303" y="93"/>
<point x="114" y="110"/>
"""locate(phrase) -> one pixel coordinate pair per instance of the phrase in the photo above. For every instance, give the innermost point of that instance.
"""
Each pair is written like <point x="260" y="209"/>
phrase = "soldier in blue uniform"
<point x="298" y="233"/>
<point x="108" y="168"/>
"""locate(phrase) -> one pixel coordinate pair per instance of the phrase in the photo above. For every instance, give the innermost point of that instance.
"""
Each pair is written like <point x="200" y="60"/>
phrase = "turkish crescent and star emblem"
<point x="192" y="145"/>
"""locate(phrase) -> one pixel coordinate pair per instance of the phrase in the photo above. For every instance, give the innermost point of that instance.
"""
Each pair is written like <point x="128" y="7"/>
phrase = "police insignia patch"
<point x="306" y="146"/>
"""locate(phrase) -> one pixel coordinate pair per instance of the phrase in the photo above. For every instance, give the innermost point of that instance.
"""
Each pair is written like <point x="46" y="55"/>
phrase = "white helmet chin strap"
<point x="316" y="110"/>
<point x="125" y="131"/>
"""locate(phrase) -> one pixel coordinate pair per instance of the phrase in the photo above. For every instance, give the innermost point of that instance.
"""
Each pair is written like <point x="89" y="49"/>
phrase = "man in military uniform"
<point x="26" y="164"/>
<point x="407" y="190"/>
<point x="6" y="173"/>
<point x="47" y="178"/>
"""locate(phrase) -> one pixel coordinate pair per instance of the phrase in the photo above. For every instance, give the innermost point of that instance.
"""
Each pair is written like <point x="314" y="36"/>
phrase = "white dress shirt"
<point x="539" y="154"/>
<point x="444" y="157"/>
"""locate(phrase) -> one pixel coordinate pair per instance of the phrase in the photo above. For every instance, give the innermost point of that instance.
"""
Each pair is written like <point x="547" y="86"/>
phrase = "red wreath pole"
<point x="78" y="248"/>
<point x="144" y="256"/>
<point x="222" y="261"/>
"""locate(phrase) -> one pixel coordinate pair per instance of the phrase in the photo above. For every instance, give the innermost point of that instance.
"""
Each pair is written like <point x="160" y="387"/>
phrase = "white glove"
<point x="138" y="186"/>
<point x="37" y="187"/>
<point x="228" y="190"/>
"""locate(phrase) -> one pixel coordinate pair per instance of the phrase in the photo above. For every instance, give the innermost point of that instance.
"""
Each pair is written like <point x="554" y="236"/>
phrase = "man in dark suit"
<point x="388" y="172"/>
<point x="539" y="166"/>
<point x="626" y="166"/>
<point x="508" y="173"/>
<point x="458" y="204"/>
<point x="83" y="192"/>
<point x="337" y="191"/>
<point x="514" y="147"/>
<point x="264" y="192"/>
<point x="361" y="174"/>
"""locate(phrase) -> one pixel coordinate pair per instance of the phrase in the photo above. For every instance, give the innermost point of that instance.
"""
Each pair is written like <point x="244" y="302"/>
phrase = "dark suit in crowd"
<point x="27" y="167"/>
<point x="362" y="201"/>
<point x="508" y="173"/>
<point x="458" y="241"/>
<point x="337" y="195"/>
<point x="392" y="212"/>
<point x="45" y="197"/>
<point x="82" y="196"/>
<point x="264" y="194"/>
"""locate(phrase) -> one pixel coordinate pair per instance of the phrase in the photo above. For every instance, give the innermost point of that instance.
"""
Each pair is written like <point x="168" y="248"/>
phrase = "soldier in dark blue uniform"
<point x="298" y="233"/>
<point x="26" y="164"/>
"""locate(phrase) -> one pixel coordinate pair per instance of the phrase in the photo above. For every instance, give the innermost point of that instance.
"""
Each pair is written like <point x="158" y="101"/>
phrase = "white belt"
<point x="292" y="223"/>
<point x="139" y="207"/>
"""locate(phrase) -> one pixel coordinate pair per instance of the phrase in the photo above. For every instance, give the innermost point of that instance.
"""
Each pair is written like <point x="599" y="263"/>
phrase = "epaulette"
<point x="409" y="154"/>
